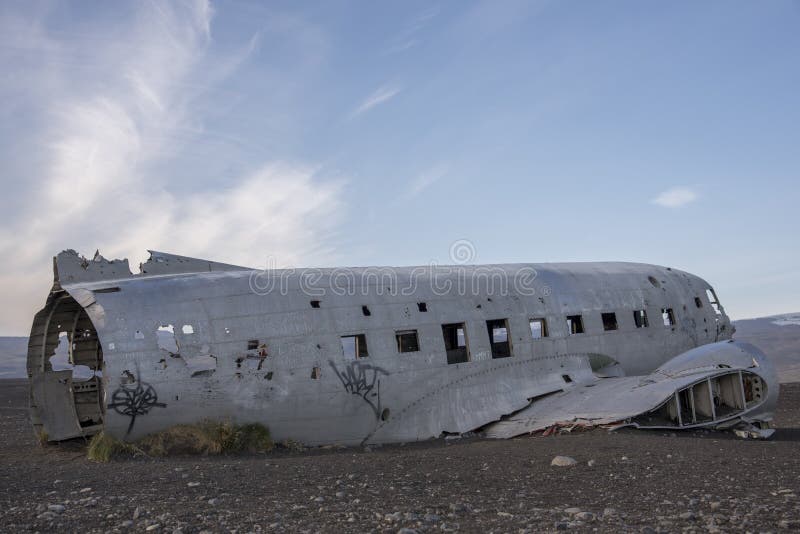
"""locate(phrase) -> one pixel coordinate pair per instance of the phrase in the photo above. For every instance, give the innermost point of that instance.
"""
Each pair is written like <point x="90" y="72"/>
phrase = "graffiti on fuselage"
<point x="362" y="379"/>
<point x="133" y="399"/>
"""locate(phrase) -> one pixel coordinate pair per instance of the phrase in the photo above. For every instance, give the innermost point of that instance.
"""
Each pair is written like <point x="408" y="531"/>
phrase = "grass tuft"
<point x="102" y="448"/>
<point x="252" y="437"/>
<point x="292" y="445"/>
<point x="204" y="438"/>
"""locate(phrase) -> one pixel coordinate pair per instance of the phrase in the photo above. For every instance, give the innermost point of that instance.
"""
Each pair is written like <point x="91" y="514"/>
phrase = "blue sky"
<point x="361" y="133"/>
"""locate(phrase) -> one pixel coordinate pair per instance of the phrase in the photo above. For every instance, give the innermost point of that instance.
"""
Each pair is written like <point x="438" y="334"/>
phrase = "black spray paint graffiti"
<point x="133" y="400"/>
<point x="362" y="379"/>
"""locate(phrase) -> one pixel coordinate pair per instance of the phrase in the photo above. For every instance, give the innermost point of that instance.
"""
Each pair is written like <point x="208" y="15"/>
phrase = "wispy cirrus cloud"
<point x="379" y="96"/>
<point x="427" y="178"/>
<point x="409" y="36"/>
<point x="675" y="197"/>
<point x="104" y="126"/>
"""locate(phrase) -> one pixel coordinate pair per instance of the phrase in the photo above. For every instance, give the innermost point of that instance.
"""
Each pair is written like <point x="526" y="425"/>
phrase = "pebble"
<point x="57" y="508"/>
<point x="213" y="502"/>
<point x="563" y="461"/>
<point x="459" y="507"/>
<point x="591" y="463"/>
<point x="193" y="484"/>
<point x="152" y="527"/>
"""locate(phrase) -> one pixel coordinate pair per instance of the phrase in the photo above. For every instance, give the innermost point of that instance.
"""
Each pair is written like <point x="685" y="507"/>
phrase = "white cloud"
<point x="427" y="178"/>
<point x="102" y="178"/>
<point x="280" y="211"/>
<point x="381" y="95"/>
<point x="675" y="197"/>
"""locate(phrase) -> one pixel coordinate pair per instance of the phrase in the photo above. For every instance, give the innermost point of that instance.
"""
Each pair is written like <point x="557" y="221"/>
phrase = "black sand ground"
<point x="639" y="482"/>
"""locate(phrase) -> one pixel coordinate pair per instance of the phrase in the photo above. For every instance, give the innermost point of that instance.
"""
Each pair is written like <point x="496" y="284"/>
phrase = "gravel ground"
<point x="633" y="481"/>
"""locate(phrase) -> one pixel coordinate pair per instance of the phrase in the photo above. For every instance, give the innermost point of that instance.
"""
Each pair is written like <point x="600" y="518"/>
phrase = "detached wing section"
<point x="720" y="385"/>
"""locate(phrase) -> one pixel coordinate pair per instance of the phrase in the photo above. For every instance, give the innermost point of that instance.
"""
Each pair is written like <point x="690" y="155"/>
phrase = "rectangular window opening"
<point x="455" y="343"/>
<point x="422" y="306"/>
<point x="574" y="324"/>
<point x="538" y="328"/>
<point x="407" y="341"/>
<point x="668" y="316"/>
<point x="314" y="304"/>
<point x="609" y="321"/>
<point x="499" y="338"/>
<point x="316" y="372"/>
<point x="640" y="318"/>
<point x="698" y="302"/>
<point x="365" y="311"/>
<point x="252" y="344"/>
<point x="355" y="346"/>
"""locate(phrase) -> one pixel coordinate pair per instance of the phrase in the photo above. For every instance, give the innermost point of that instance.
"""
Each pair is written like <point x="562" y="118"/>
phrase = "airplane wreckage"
<point x="405" y="354"/>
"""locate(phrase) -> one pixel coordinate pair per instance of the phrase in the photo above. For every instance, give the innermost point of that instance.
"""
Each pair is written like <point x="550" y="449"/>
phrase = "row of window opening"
<point x="456" y="343"/>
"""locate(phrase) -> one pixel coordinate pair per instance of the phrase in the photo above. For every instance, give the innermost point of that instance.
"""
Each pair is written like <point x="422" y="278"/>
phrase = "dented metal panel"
<point x="635" y="400"/>
<point x="188" y="339"/>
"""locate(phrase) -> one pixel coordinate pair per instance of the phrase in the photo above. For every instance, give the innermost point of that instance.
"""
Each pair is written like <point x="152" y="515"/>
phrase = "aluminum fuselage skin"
<point x="307" y="389"/>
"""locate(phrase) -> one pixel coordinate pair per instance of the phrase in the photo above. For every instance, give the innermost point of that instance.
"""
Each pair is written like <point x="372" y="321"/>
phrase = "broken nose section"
<point x="720" y="386"/>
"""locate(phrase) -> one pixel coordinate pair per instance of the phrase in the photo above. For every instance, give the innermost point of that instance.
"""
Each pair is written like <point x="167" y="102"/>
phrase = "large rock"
<point x="563" y="461"/>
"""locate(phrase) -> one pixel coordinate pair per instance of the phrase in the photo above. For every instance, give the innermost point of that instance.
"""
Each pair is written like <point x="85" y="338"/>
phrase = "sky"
<point x="346" y="133"/>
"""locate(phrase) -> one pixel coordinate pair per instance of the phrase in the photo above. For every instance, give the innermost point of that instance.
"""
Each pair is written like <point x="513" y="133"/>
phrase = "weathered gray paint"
<point x="388" y="397"/>
<point x="605" y="401"/>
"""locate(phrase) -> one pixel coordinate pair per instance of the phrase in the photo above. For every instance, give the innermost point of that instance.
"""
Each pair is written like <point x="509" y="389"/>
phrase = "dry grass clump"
<point x="103" y="447"/>
<point x="292" y="445"/>
<point x="204" y="438"/>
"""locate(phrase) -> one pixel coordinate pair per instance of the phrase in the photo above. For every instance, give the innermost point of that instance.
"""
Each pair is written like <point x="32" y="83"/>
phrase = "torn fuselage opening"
<point x="66" y="395"/>
<point x="713" y="400"/>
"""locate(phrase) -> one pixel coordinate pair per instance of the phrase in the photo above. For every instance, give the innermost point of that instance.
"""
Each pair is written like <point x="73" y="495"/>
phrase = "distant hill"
<point x="778" y="336"/>
<point x="13" y="352"/>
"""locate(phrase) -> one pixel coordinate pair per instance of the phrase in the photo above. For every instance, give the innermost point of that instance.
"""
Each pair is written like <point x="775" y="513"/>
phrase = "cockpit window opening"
<point x="714" y="301"/>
